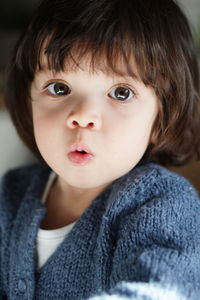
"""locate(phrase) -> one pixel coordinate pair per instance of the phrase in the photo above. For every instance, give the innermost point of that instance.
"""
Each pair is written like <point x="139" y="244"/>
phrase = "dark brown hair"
<point x="156" y="33"/>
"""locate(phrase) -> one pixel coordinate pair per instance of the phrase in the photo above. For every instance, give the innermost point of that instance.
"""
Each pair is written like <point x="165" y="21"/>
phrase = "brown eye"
<point x="121" y="93"/>
<point x="58" y="89"/>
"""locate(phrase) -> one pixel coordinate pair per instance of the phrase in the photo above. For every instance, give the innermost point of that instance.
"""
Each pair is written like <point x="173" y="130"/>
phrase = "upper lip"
<point x="80" y="147"/>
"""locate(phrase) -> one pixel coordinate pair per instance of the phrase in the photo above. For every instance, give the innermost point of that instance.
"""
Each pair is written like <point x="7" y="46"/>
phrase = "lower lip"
<point x="80" y="158"/>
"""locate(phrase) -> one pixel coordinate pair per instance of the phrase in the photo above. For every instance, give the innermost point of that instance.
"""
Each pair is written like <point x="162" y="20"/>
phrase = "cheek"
<point x="130" y="138"/>
<point x="131" y="130"/>
<point x="45" y="118"/>
<point x="44" y="128"/>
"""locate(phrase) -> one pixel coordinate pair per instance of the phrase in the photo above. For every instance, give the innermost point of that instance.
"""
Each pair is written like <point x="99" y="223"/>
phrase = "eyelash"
<point x="131" y="93"/>
<point x="53" y="83"/>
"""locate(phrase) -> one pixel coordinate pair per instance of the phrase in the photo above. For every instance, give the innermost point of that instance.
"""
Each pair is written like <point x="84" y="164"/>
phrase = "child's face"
<point x="109" y="116"/>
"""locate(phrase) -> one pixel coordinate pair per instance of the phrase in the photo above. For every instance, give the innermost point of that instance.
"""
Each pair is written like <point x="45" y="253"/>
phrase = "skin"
<point x="117" y="133"/>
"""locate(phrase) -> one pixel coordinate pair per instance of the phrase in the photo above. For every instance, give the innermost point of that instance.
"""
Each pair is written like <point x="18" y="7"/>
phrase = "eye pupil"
<point x="122" y="93"/>
<point x="61" y="89"/>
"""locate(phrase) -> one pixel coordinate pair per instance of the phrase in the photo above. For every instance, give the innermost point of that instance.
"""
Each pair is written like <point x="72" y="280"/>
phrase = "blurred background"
<point x="15" y="14"/>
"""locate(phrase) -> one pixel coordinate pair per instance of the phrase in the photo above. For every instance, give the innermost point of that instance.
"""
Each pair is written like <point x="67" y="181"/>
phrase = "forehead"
<point x="119" y="67"/>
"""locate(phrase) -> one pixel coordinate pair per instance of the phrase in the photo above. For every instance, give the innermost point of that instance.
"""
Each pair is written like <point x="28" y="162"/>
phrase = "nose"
<point x="82" y="117"/>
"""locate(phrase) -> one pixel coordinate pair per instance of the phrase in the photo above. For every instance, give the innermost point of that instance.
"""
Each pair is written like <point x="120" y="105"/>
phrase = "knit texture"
<point x="144" y="228"/>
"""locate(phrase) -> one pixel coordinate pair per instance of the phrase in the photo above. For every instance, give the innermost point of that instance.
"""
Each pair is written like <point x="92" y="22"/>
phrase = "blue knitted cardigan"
<point x="138" y="240"/>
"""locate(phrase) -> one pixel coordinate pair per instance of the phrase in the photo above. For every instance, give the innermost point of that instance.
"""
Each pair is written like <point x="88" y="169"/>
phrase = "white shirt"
<point x="48" y="240"/>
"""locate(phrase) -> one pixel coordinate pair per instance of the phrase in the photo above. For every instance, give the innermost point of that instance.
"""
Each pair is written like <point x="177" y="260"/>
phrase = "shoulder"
<point x="166" y="188"/>
<point x="20" y="179"/>
<point x="149" y="182"/>
<point x="19" y="184"/>
<point x="157" y="181"/>
<point x="156" y="202"/>
<point x="174" y="192"/>
<point x="169" y="180"/>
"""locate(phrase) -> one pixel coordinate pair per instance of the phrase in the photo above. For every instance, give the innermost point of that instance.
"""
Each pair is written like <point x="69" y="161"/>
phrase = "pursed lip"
<point x="80" y="154"/>
<point x="80" y="147"/>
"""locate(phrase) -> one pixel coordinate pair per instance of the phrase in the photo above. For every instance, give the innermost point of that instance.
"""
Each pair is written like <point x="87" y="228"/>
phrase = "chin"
<point x="84" y="185"/>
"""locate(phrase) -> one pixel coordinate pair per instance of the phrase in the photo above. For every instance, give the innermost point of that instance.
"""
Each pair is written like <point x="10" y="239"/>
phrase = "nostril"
<point x="75" y="123"/>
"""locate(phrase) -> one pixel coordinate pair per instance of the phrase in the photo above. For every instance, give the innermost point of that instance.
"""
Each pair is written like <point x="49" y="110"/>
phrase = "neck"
<point x="65" y="204"/>
<point x="76" y="195"/>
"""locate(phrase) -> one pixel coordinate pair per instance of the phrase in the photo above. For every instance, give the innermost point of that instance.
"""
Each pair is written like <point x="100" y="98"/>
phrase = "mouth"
<point x="80" y="154"/>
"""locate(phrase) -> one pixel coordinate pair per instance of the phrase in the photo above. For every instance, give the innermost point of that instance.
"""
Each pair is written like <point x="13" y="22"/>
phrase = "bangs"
<point x="111" y="37"/>
<point x="111" y="59"/>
